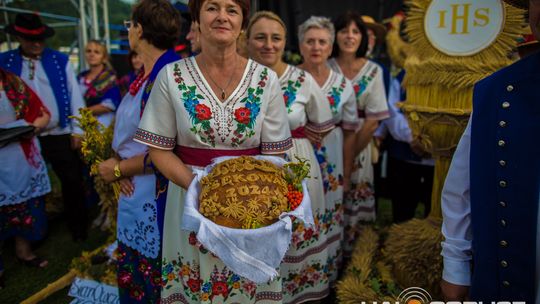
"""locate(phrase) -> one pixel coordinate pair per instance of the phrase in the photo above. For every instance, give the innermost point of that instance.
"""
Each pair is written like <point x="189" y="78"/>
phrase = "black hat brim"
<point x="47" y="33"/>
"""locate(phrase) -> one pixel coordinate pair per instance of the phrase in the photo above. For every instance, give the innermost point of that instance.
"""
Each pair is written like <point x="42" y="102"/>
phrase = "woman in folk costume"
<point x="22" y="208"/>
<point x="367" y="79"/>
<point x="334" y="153"/>
<point x="153" y="30"/>
<point x="310" y="119"/>
<point x="99" y="84"/>
<point x="214" y="104"/>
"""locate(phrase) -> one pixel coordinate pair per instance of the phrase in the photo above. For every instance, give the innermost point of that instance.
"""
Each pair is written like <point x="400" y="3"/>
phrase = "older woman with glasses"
<point x="214" y="104"/>
<point x="153" y="30"/>
<point x="310" y="119"/>
<point x="367" y="78"/>
<point x="316" y="36"/>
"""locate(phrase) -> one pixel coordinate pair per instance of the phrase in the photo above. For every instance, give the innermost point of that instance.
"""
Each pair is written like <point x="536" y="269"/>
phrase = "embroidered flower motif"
<point x="362" y="84"/>
<point x="308" y="276"/>
<point x="27" y="220"/>
<point x="252" y="103"/>
<point x="222" y="282"/>
<point x="290" y="90"/>
<point x="220" y="288"/>
<point x="242" y="115"/>
<point x="203" y="112"/>
<point x="199" y="114"/>
<point x="194" y="284"/>
<point x="124" y="279"/>
<point x="330" y="181"/>
<point x="136" y="293"/>
<point x="139" y="278"/>
<point x="334" y="96"/>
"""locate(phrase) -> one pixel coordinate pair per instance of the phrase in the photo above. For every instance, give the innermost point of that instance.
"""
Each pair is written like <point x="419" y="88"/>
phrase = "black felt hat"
<point x="30" y="27"/>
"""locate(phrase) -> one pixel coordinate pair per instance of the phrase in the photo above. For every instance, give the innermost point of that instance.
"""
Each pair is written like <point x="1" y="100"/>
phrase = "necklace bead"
<point x="135" y="86"/>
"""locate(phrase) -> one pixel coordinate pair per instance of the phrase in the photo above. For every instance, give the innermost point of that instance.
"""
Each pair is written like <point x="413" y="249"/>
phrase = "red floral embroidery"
<point x="194" y="284"/>
<point x="124" y="279"/>
<point x="242" y="115"/>
<point x="220" y="288"/>
<point x="136" y="293"/>
<point x="203" y="112"/>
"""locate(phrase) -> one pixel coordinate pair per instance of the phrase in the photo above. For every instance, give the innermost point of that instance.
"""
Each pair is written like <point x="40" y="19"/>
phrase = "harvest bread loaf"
<point x="244" y="193"/>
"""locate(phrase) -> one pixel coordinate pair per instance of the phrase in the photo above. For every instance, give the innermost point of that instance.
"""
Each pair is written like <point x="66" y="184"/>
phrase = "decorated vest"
<point x="505" y="179"/>
<point x="54" y="64"/>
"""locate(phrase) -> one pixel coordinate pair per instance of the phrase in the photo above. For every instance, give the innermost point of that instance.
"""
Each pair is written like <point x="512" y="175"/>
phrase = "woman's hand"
<point x="41" y="122"/>
<point x="106" y="169"/>
<point x="126" y="186"/>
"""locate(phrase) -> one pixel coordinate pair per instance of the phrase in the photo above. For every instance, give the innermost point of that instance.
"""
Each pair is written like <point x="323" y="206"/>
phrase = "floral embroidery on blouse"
<point x="291" y="88"/>
<point x="361" y="85"/>
<point x="199" y="114"/>
<point x="245" y="116"/>
<point x="334" y="96"/>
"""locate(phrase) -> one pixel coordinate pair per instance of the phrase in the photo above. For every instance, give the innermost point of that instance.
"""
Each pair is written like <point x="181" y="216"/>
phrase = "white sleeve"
<point x="77" y="101"/>
<point x="397" y="123"/>
<point x="318" y="110"/>
<point x="456" y="210"/>
<point x="158" y="127"/>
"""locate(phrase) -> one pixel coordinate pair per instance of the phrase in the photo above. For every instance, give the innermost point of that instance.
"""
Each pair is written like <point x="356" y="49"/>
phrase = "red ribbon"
<point x="203" y="157"/>
<point x="37" y="31"/>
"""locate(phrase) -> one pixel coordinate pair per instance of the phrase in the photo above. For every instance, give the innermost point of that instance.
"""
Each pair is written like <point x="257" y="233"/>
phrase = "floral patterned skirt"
<point x="330" y="157"/>
<point x="27" y="220"/>
<point x="304" y="269"/>
<point x="359" y="204"/>
<point x="192" y="274"/>
<point x="139" y="277"/>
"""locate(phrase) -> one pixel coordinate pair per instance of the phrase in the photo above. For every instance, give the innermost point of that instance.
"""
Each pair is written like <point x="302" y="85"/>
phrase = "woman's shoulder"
<point x="259" y="72"/>
<point x="181" y="63"/>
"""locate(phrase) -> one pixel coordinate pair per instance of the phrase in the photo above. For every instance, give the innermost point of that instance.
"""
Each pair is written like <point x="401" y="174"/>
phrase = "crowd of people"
<point x="233" y="95"/>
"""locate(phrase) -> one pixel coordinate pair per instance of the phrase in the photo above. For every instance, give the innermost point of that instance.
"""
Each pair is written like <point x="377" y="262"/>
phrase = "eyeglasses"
<point x="128" y="24"/>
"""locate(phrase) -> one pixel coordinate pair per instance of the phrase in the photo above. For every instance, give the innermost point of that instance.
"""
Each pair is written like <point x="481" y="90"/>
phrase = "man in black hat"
<point x="491" y="196"/>
<point x="50" y="75"/>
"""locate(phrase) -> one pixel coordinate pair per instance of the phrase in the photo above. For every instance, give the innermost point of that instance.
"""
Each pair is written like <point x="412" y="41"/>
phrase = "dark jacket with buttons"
<point x="505" y="182"/>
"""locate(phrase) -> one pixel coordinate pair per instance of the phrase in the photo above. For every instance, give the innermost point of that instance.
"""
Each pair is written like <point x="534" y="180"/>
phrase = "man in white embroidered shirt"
<point x="50" y="75"/>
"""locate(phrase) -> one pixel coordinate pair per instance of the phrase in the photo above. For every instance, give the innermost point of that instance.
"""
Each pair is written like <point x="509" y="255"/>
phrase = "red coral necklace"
<point x="135" y="86"/>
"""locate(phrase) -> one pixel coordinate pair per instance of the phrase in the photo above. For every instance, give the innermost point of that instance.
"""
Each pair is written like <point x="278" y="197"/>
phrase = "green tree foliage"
<point x="65" y="36"/>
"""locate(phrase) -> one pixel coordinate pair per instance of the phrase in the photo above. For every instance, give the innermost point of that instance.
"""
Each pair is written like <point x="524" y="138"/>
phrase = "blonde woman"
<point x="98" y="84"/>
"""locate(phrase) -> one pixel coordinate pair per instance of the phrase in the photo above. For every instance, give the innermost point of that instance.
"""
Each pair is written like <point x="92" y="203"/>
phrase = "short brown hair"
<point x="160" y="22"/>
<point x="196" y="5"/>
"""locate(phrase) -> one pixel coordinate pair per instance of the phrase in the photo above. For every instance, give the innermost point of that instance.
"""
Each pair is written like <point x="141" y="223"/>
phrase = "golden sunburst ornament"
<point x="460" y="22"/>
